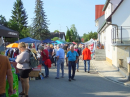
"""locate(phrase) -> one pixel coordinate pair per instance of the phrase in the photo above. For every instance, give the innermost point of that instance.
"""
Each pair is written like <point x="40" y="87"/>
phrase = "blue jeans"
<point x="46" y="69"/>
<point x="88" y="62"/>
<point x="60" y="62"/>
<point x="55" y="60"/>
<point x="3" y="95"/>
<point x="77" y="64"/>
<point x="72" y="65"/>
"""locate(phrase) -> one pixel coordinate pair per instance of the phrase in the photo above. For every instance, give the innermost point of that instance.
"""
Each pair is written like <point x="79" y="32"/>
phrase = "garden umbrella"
<point x="13" y="45"/>
<point x="74" y="43"/>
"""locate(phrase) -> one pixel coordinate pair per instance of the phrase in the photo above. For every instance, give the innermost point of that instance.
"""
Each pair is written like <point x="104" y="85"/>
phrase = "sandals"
<point x="21" y="93"/>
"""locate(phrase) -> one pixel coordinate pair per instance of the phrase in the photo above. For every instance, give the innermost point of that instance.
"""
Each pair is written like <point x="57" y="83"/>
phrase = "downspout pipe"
<point x="112" y="25"/>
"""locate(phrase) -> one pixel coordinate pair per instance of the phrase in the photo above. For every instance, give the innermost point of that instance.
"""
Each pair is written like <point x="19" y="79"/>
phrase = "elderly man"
<point x="86" y="57"/>
<point x="60" y="54"/>
<point x="73" y="57"/>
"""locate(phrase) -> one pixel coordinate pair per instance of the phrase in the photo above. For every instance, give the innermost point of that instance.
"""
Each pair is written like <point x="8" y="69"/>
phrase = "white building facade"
<point x="117" y="32"/>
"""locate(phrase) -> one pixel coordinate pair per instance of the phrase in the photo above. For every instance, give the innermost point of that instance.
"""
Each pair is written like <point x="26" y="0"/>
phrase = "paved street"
<point x="86" y="85"/>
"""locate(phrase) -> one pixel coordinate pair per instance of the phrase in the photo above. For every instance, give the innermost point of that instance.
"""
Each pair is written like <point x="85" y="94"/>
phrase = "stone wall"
<point x="120" y="52"/>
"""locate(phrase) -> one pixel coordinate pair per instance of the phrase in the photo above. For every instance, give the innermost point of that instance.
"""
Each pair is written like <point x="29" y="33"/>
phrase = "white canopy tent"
<point x="90" y="42"/>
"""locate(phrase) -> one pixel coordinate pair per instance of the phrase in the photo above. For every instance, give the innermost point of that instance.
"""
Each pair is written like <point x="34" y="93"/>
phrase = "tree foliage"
<point x="90" y="35"/>
<point x="68" y="34"/>
<point x="3" y="21"/>
<point x="56" y="31"/>
<point x="72" y="35"/>
<point x="18" y="21"/>
<point x="19" y="15"/>
<point x="14" y="26"/>
<point x="55" y="38"/>
<point x="40" y="26"/>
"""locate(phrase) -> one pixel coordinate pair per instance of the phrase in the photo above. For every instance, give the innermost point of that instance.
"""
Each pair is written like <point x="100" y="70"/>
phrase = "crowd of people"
<point x="58" y="54"/>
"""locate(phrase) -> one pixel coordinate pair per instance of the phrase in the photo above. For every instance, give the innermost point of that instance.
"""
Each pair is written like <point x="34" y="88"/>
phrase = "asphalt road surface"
<point x="86" y="85"/>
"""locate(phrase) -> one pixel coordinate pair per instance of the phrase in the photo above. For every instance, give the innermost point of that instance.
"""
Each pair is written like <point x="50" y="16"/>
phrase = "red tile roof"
<point x="98" y="11"/>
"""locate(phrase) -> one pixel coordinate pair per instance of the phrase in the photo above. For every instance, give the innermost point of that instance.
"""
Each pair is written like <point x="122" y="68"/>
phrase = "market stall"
<point x="29" y="40"/>
<point x="92" y="46"/>
<point x="6" y="32"/>
<point x="48" y="41"/>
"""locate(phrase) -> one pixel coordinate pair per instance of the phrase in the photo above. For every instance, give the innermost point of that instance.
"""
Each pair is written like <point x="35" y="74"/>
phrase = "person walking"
<point x="24" y="68"/>
<point x="5" y="70"/>
<point x="60" y="54"/>
<point x="86" y="57"/>
<point x="73" y="57"/>
<point x="44" y="56"/>
<point x="54" y="55"/>
<point x="68" y="49"/>
<point x="77" y="50"/>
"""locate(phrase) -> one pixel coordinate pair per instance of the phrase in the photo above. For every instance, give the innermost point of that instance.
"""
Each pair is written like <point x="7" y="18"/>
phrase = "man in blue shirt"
<point x="60" y="54"/>
<point x="73" y="57"/>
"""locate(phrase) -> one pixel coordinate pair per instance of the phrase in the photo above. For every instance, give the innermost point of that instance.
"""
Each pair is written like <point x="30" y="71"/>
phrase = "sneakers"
<point x="46" y="76"/>
<point x="77" y="70"/>
<point x="69" y="79"/>
<point x="73" y="79"/>
<point x="56" y="78"/>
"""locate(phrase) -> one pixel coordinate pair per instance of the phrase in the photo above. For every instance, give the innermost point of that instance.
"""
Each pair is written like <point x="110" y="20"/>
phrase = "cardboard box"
<point x="32" y="78"/>
<point x="34" y="74"/>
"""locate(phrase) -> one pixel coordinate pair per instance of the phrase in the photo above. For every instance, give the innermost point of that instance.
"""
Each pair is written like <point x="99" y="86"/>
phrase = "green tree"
<point x="14" y="26"/>
<point x="56" y="31"/>
<point x="55" y="38"/>
<point x="3" y="21"/>
<point x="19" y="15"/>
<point x="72" y="34"/>
<point x="68" y="34"/>
<point x="40" y="26"/>
<point x="90" y="35"/>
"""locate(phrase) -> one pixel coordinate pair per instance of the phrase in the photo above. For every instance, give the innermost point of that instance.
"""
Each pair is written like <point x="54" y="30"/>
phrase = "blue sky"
<point x="61" y="13"/>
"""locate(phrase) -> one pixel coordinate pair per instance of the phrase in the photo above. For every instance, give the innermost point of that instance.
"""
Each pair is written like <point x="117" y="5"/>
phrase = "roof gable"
<point x="59" y="34"/>
<point x="98" y="11"/>
<point x="106" y="4"/>
<point x="109" y="18"/>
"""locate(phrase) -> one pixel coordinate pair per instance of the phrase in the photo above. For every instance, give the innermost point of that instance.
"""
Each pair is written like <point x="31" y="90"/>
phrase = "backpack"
<point x="33" y="60"/>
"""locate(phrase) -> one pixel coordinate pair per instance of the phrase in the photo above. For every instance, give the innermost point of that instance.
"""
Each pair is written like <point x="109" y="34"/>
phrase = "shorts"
<point x="3" y="95"/>
<point x="24" y="73"/>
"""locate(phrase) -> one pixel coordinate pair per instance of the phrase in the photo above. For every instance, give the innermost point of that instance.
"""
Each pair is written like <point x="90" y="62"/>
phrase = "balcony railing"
<point x="120" y="35"/>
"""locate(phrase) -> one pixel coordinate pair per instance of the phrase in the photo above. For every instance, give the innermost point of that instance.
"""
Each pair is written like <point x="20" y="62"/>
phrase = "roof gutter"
<point x="106" y="4"/>
<point x="108" y="24"/>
